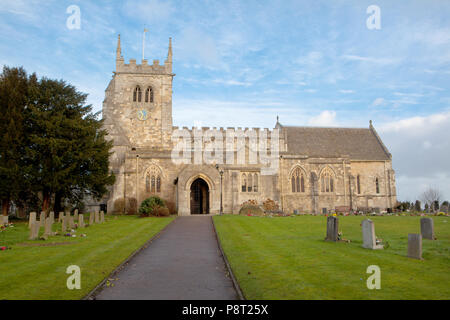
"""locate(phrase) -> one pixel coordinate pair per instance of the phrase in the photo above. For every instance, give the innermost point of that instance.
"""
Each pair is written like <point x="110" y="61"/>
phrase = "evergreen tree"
<point x="418" y="206"/>
<point x="14" y="169"/>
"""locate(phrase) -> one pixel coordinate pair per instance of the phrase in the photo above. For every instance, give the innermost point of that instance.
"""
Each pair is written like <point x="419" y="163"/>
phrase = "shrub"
<point x="161" y="211"/>
<point x="149" y="205"/>
<point x="171" y="206"/>
<point x="248" y="209"/>
<point x="270" y="205"/>
<point x="131" y="206"/>
<point x="119" y="206"/>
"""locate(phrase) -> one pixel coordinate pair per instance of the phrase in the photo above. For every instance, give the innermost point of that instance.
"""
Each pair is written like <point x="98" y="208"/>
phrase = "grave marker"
<point x="75" y="215"/>
<point x="332" y="229"/>
<point x="48" y="227"/>
<point x="369" y="238"/>
<point x="91" y="218"/>
<point x="42" y="218"/>
<point x="81" y="221"/>
<point x="427" y="228"/>
<point x="415" y="246"/>
<point x="97" y="217"/>
<point x="102" y="217"/>
<point x="32" y="219"/>
<point x="34" y="231"/>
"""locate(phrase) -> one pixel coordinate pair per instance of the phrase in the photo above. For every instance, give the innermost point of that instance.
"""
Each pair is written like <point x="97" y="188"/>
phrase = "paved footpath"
<point x="183" y="263"/>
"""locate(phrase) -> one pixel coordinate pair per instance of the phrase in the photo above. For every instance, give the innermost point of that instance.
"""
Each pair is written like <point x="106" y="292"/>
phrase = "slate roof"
<point x="357" y="143"/>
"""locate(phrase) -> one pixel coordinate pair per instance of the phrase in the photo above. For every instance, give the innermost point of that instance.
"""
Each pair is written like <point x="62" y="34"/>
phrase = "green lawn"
<point x="287" y="258"/>
<point x="30" y="272"/>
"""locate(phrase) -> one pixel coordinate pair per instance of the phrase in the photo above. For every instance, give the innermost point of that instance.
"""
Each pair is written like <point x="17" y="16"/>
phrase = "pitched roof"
<point x="358" y="144"/>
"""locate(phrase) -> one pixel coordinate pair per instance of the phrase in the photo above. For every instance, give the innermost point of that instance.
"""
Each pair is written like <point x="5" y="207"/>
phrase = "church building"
<point x="317" y="170"/>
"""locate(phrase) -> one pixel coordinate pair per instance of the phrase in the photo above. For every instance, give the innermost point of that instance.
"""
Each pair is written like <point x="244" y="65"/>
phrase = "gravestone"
<point x="52" y="217"/>
<point x="102" y="217"/>
<point x="42" y="219"/>
<point x="34" y="231"/>
<point x="427" y="228"/>
<point x="48" y="227"/>
<point x="65" y="221"/>
<point x="415" y="246"/>
<point x="81" y="221"/>
<point x="32" y="219"/>
<point x="97" y="217"/>
<point x="332" y="229"/>
<point x="71" y="222"/>
<point x="91" y="218"/>
<point x="4" y="220"/>
<point x="324" y="211"/>
<point x="369" y="238"/>
<point x="75" y="215"/>
<point x="61" y="217"/>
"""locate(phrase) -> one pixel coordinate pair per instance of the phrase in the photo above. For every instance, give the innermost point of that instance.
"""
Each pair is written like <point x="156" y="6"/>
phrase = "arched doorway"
<point x="199" y="197"/>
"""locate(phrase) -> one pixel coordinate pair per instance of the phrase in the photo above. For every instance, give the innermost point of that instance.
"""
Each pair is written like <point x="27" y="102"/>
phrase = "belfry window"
<point x="149" y="95"/>
<point x="137" y="94"/>
<point x="298" y="181"/>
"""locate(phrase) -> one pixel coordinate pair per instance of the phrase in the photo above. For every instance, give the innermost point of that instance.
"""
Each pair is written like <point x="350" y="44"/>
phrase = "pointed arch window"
<point x="358" y="184"/>
<point x="377" y="185"/>
<point x="255" y="182"/>
<point x="327" y="181"/>
<point x="298" y="181"/>
<point x="149" y="95"/>
<point x="244" y="183"/>
<point x="137" y="94"/>
<point x="153" y="180"/>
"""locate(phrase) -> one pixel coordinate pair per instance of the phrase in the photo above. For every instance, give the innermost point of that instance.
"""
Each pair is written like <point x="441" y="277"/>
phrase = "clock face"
<point x="142" y="115"/>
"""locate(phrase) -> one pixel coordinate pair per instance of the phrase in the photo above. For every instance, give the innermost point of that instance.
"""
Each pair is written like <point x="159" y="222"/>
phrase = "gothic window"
<point x="377" y="185"/>
<point x="153" y="180"/>
<point x="137" y="94"/>
<point x="149" y="95"/>
<point x="327" y="181"/>
<point x="358" y="184"/>
<point x="255" y="182"/>
<point x="249" y="182"/>
<point x="298" y="181"/>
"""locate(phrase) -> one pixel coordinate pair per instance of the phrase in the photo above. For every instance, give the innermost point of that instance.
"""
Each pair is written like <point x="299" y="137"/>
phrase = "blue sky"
<point x="242" y="63"/>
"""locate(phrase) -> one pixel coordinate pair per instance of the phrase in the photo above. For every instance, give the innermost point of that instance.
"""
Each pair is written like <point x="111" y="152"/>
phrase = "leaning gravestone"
<point x="427" y="228"/>
<point x="32" y="219"/>
<point x="97" y="217"/>
<point x="332" y="229"/>
<point x="415" y="246"/>
<point x="75" y="215"/>
<point x="102" y="217"/>
<point x="42" y="219"/>
<point x="34" y="231"/>
<point x="81" y="221"/>
<point x="369" y="238"/>
<point x="91" y="218"/>
<point x="48" y="227"/>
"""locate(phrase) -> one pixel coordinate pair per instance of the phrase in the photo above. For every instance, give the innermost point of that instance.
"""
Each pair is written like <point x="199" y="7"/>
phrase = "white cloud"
<point x="378" y="102"/>
<point x="149" y="11"/>
<point x="381" y="61"/>
<point x="326" y="118"/>
<point x="347" y="91"/>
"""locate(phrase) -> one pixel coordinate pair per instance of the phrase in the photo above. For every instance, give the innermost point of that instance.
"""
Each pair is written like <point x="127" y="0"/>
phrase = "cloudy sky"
<point x="242" y="63"/>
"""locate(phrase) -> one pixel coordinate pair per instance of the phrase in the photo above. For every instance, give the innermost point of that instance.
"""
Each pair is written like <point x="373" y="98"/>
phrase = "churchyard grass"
<point x="37" y="269"/>
<point x="287" y="258"/>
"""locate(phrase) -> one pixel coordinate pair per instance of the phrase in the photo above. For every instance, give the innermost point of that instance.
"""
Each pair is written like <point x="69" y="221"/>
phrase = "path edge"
<point x="98" y="288"/>
<point x="236" y="285"/>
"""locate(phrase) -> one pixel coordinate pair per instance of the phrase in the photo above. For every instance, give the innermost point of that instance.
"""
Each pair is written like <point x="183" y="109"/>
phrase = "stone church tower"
<point x="318" y="169"/>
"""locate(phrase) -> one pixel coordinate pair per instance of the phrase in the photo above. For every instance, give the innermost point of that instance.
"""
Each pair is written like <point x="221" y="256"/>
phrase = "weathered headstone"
<point x="97" y="217"/>
<point x="75" y="215"/>
<point x="32" y="219"/>
<point x="427" y="228"/>
<point x="91" y="218"/>
<point x="102" y="217"/>
<point x="42" y="219"/>
<point x="71" y="222"/>
<point x="81" y="221"/>
<point x="415" y="246"/>
<point x="48" y="227"/>
<point x="4" y="220"/>
<point x="34" y="230"/>
<point x="332" y="229"/>
<point x="65" y="222"/>
<point x="369" y="238"/>
<point x="61" y="217"/>
<point x="52" y="216"/>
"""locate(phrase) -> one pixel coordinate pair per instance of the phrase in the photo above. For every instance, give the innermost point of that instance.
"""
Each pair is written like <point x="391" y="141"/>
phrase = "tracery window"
<point x="327" y="181"/>
<point x="298" y="180"/>
<point x="153" y="180"/>
<point x="249" y="182"/>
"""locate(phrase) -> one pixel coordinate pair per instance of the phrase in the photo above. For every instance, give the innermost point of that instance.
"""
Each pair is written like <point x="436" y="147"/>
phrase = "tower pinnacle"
<point x="119" y="49"/>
